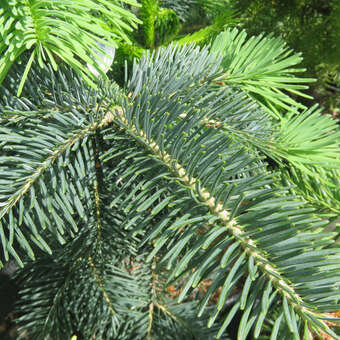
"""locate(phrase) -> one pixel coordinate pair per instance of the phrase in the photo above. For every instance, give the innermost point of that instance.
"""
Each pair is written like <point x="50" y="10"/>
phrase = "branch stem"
<point x="234" y="228"/>
<point x="101" y="285"/>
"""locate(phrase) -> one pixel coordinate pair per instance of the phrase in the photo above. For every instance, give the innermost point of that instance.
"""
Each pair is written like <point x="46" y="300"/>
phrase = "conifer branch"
<point x="60" y="292"/>
<point x="98" y="184"/>
<point x="248" y="245"/>
<point x="45" y="165"/>
<point x="157" y="199"/>
<point x="39" y="171"/>
<point x="101" y="286"/>
<point x="151" y="308"/>
<point x="98" y="214"/>
<point x="165" y="310"/>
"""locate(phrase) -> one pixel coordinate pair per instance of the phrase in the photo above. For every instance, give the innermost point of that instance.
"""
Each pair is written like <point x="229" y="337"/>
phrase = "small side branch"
<point x="50" y="160"/>
<point x="151" y="308"/>
<point x="98" y="184"/>
<point x="101" y="286"/>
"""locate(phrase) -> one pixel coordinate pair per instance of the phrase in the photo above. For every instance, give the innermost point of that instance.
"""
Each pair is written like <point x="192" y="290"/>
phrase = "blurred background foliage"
<point x="308" y="26"/>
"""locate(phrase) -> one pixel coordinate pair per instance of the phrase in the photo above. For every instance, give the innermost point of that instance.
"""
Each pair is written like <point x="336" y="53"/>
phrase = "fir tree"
<point x="164" y="208"/>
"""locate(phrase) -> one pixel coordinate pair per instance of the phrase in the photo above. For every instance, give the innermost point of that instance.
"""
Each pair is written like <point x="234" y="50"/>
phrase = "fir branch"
<point x="173" y="316"/>
<point x="98" y="185"/>
<point x="101" y="286"/>
<point x="58" y="296"/>
<point x="46" y="164"/>
<point x="39" y="171"/>
<point x="247" y="243"/>
<point x="263" y="67"/>
<point x="169" y="185"/>
<point x="151" y="308"/>
<point x="282" y="285"/>
<point x="148" y="14"/>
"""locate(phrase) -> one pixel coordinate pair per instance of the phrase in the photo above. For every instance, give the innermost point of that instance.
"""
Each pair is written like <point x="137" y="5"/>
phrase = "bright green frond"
<point x="206" y="35"/>
<point x="167" y="26"/>
<point x="65" y="30"/>
<point x="309" y="138"/>
<point x="148" y="14"/>
<point x="262" y="66"/>
<point x="308" y="141"/>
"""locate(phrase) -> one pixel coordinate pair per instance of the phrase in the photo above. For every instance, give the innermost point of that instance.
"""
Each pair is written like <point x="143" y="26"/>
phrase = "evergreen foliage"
<point x="300" y="22"/>
<point x="66" y="30"/>
<point x="167" y="26"/>
<point x="207" y="34"/>
<point x="309" y="26"/>
<point x="264" y="62"/>
<point x="148" y="14"/>
<point x="183" y="9"/>
<point x="188" y="202"/>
